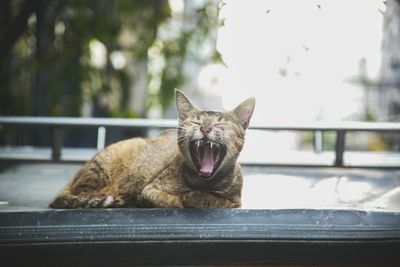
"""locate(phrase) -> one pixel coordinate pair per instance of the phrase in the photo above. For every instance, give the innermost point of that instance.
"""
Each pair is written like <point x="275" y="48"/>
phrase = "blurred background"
<point x="302" y="60"/>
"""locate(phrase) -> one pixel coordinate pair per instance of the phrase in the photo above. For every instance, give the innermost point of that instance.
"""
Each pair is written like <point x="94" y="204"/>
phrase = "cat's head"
<point x="211" y="140"/>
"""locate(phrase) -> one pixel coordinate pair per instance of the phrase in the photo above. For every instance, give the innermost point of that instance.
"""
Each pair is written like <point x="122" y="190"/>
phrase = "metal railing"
<point x="57" y="124"/>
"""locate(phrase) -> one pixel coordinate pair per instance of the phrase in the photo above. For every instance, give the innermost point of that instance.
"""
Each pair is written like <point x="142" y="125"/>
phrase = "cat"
<point x="193" y="168"/>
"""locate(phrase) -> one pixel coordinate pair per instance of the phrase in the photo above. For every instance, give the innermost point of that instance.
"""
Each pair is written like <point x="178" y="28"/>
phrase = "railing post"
<point x="340" y="147"/>
<point x="57" y="143"/>
<point x="101" y="138"/>
<point x="318" y="141"/>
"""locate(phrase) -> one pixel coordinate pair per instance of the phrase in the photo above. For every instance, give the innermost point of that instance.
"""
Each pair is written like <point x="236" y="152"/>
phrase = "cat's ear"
<point x="183" y="105"/>
<point x="244" y="111"/>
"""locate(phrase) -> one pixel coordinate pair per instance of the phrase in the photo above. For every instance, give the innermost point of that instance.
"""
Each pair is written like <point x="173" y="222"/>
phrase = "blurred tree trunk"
<point x="137" y="96"/>
<point x="390" y="67"/>
<point x="71" y="88"/>
<point x="44" y="44"/>
<point x="42" y="82"/>
<point x="5" y="94"/>
<point x="138" y="87"/>
<point x="389" y="92"/>
<point x="14" y="27"/>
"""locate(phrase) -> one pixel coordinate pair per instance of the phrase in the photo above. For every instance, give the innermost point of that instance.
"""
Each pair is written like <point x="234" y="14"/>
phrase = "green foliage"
<point x="198" y="29"/>
<point x="328" y="140"/>
<point x="49" y="70"/>
<point x="369" y="114"/>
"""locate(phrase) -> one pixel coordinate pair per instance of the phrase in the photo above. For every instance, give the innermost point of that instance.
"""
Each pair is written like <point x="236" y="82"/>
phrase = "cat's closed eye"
<point x="220" y="125"/>
<point x="196" y="122"/>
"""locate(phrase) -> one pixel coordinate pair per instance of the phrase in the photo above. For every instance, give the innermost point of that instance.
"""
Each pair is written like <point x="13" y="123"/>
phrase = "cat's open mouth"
<point x="207" y="155"/>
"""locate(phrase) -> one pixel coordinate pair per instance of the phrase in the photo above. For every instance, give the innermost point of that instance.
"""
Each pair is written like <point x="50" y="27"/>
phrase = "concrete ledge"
<point x="119" y="237"/>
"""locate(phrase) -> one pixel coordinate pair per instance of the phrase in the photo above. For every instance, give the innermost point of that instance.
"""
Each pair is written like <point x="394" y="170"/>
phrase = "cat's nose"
<point x="205" y="130"/>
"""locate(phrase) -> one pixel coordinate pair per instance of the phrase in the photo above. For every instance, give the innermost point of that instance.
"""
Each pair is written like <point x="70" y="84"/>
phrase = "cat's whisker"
<point x="167" y="131"/>
<point x="232" y="145"/>
<point x="231" y="149"/>
<point x="238" y="141"/>
<point x="183" y="138"/>
<point x="184" y="129"/>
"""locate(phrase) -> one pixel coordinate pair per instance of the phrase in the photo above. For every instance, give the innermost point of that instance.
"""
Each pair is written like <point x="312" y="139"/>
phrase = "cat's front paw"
<point x="68" y="202"/>
<point x="106" y="201"/>
<point x="193" y="199"/>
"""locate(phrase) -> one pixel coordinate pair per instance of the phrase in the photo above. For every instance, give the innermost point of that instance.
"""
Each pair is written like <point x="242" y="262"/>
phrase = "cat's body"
<point x="196" y="169"/>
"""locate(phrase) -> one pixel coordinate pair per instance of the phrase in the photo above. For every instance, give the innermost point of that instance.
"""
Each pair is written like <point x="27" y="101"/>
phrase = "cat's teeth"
<point x="198" y="143"/>
<point x="211" y="144"/>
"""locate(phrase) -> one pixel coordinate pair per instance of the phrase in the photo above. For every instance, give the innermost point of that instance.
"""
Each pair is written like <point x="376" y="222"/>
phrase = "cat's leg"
<point x="153" y="197"/>
<point x="91" y="200"/>
<point x="70" y="201"/>
<point x="197" y="199"/>
<point x="163" y="192"/>
<point x="105" y="201"/>
<point x="88" y="189"/>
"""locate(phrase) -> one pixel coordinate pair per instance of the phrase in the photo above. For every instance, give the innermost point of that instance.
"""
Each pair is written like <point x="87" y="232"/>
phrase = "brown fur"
<point x="159" y="172"/>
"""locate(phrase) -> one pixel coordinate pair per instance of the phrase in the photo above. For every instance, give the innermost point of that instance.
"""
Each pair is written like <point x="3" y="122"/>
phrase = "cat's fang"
<point x="207" y="156"/>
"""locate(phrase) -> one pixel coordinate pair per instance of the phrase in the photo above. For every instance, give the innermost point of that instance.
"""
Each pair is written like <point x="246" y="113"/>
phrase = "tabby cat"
<point x="197" y="168"/>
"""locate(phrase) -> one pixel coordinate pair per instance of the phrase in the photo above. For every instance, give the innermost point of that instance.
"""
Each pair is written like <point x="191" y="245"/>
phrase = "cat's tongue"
<point x="207" y="162"/>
